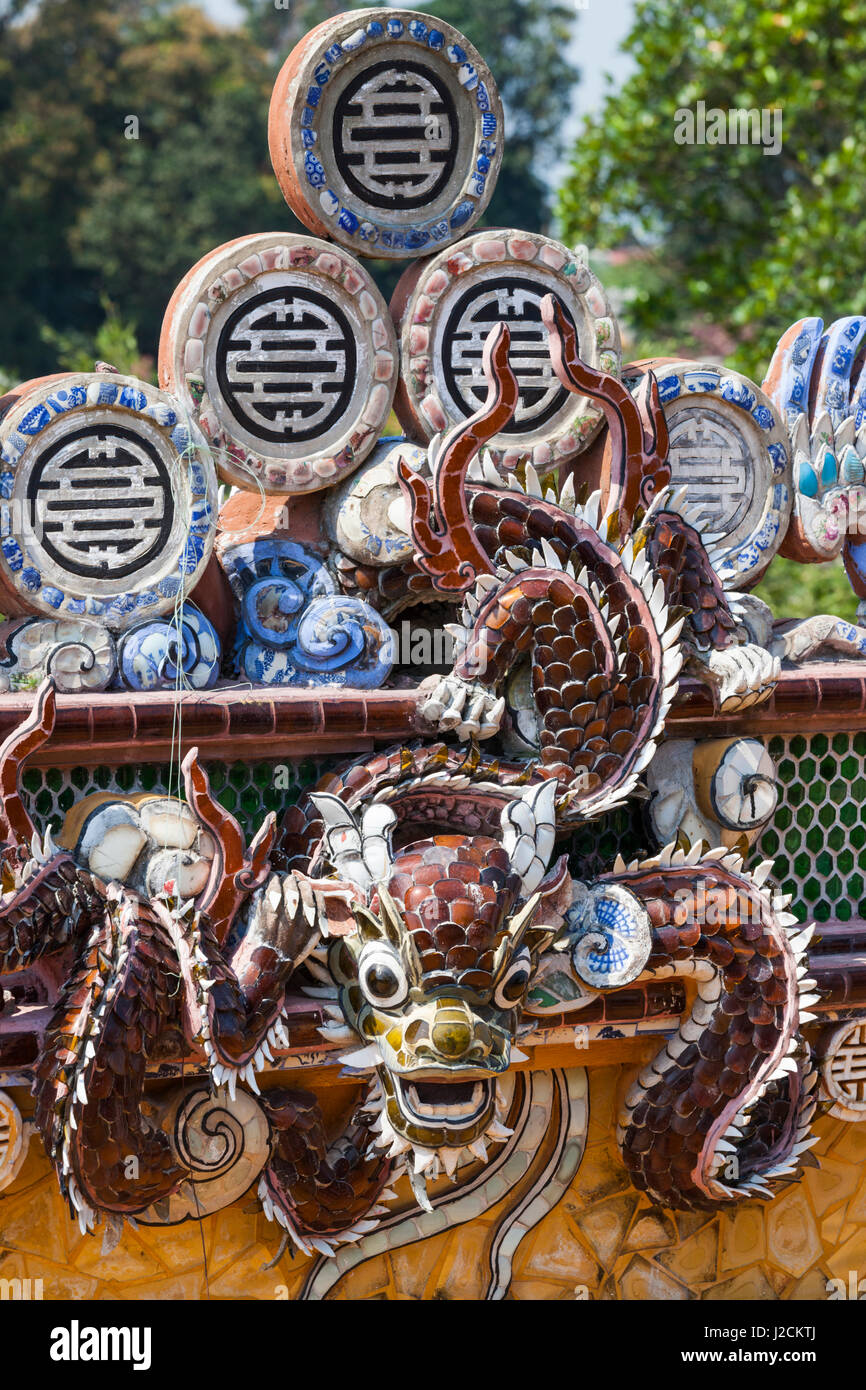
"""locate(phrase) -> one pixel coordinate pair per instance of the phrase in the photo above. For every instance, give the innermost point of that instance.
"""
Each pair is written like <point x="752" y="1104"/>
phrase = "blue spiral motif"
<point x="295" y="629"/>
<point x="610" y="936"/>
<point x="152" y="654"/>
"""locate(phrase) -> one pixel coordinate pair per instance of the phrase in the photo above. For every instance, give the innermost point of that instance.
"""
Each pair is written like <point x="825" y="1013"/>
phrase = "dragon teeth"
<point x="457" y="1110"/>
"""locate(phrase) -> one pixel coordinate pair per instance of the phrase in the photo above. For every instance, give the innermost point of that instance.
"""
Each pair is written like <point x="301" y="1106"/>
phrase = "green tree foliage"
<point x="800" y="591"/>
<point x="277" y="25"/>
<point x="746" y="240"/>
<point x="87" y="211"/>
<point x="115" y="341"/>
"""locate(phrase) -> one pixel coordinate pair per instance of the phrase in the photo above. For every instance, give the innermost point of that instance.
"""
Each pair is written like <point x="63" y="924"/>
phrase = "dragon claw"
<point x="740" y="676"/>
<point x="466" y="707"/>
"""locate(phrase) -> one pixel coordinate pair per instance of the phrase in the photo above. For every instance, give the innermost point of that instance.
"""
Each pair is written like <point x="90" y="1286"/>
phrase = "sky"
<point x="599" y="30"/>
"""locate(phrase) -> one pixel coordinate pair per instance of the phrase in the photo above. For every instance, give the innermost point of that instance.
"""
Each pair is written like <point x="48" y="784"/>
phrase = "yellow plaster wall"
<point x="603" y="1240"/>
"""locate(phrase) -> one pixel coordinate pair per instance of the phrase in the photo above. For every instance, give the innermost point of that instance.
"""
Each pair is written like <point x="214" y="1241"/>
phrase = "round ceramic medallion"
<point x="282" y="349"/>
<point x="385" y="132"/>
<point x="843" y="1072"/>
<point x="446" y="308"/>
<point x="108" y="503"/>
<point x="729" y="446"/>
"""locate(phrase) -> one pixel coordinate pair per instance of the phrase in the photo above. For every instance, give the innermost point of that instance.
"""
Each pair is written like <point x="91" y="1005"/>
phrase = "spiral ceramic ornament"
<point x="295" y="628"/>
<point x="107" y="501"/>
<point x="608" y="934"/>
<point x="282" y="349"/>
<point x="736" y="782"/>
<point x="77" y="653"/>
<point x="445" y="309"/>
<point x="367" y="517"/>
<point x="385" y="132"/>
<point x="222" y="1140"/>
<point x="183" y="651"/>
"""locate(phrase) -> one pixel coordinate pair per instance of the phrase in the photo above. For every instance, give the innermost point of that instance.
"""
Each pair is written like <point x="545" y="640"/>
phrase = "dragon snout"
<point x="452" y="1039"/>
<point x="454" y="1035"/>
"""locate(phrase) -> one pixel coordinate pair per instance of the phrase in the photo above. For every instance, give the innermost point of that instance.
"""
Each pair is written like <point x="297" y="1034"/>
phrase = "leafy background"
<point x="710" y="251"/>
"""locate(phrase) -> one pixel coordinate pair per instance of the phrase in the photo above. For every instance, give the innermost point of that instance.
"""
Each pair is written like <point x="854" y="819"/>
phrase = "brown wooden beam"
<point x="239" y="721"/>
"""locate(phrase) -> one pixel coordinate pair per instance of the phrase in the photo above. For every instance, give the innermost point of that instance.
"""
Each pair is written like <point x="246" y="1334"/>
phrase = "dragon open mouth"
<point x="448" y="1103"/>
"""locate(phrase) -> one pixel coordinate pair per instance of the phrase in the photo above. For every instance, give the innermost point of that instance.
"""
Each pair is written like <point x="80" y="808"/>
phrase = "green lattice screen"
<point x="248" y="790"/>
<point x="818" y="838"/>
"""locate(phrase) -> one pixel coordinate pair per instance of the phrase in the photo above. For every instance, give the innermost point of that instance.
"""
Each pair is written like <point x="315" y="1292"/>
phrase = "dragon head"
<point x="434" y="975"/>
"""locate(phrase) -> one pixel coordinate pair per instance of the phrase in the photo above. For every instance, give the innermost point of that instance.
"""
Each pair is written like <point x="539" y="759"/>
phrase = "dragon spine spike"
<point x="474" y="472"/>
<point x="489" y="471"/>
<point x="567" y="500"/>
<point x="533" y="485"/>
<point x="591" y="510"/>
<point x="551" y="559"/>
<point x="515" y="563"/>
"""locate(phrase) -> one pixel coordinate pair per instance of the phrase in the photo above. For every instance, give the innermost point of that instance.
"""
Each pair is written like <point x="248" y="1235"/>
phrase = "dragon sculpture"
<point x="415" y="893"/>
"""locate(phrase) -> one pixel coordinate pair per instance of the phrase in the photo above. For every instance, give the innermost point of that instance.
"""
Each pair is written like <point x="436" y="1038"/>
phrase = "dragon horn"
<point x="446" y="545"/>
<point x="31" y="734"/>
<point x="220" y="896"/>
<point x="261" y="845"/>
<point x="656" y="436"/>
<point x="637" y="431"/>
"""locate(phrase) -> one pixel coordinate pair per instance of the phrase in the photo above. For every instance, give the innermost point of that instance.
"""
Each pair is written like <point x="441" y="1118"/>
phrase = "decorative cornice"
<point x="238" y="722"/>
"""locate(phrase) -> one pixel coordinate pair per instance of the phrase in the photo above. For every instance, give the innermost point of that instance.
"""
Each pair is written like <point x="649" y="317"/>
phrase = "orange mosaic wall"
<point x="603" y="1240"/>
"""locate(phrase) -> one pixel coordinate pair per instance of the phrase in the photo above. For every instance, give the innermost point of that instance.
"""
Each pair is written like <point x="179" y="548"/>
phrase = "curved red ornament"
<point x="446" y="547"/>
<point x="32" y="733"/>
<point x="636" y="458"/>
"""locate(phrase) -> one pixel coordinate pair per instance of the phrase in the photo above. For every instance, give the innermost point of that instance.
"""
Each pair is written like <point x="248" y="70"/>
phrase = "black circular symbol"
<point x="517" y="302"/>
<point x="103" y="498"/>
<point x="395" y="134"/>
<point x="285" y="364"/>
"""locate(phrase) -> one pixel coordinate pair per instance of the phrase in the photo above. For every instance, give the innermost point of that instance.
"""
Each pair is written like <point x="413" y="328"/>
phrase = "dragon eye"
<point x="512" y="986"/>
<point x="382" y="976"/>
